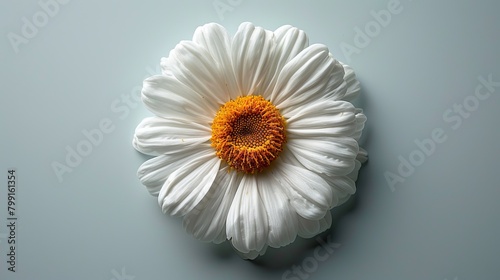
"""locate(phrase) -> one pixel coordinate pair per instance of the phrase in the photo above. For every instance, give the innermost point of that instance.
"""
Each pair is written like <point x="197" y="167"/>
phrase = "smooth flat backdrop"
<point x="85" y="62"/>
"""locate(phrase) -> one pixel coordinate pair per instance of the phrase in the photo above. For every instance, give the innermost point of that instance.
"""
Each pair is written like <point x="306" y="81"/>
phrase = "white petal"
<point x="165" y="67"/>
<point x="252" y="51"/>
<point x="310" y="228"/>
<point x="247" y="223"/>
<point x="303" y="79"/>
<point x="166" y="97"/>
<point x="354" y="173"/>
<point x="337" y="86"/>
<point x="154" y="172"/>
<point x="360" y="124"/>
<point x="194" y="66"/>
<point x="322" y="118"/>
<point x="361" y="158"/>
<point x="309" y="194"/>
<point x="290" y="41"/>
<point x="332" y="156"/>
<point x="326" y="222"/>
<point x="282" y="217"/>
<point x="353" y="86"/>
<point x="207" y="221"/>
<point x="362" y="155"/>
<point x="187" y="185"/>
<point x="252" y="254"/>
<point x="343" y="187"/>
<point x="215" y="39"/>
<point x="155" y="136"/>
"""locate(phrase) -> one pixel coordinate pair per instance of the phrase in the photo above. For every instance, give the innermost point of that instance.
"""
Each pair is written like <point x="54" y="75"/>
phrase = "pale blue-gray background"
<point x="86" y="62"/>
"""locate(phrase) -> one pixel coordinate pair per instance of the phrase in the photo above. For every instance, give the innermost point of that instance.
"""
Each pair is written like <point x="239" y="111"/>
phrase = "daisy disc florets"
<point x="254" y="137"/>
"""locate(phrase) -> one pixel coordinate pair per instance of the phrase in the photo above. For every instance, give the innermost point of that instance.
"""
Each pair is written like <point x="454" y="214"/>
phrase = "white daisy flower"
<point x="254" y="136"/>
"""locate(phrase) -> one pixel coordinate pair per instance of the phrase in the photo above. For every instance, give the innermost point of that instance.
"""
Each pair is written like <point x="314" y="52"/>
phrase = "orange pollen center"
<point x="248" y="133"/>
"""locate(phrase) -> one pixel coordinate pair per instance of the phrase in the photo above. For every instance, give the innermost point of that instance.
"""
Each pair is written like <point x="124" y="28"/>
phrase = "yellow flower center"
<point x="248" y="133"/>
